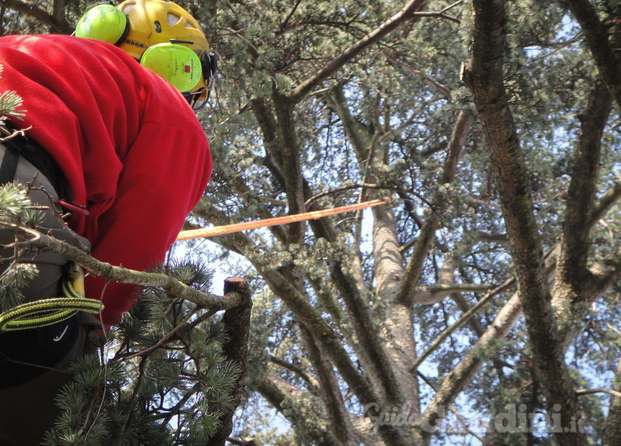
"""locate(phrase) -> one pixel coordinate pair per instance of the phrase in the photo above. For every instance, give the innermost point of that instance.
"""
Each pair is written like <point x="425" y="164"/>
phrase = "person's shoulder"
<point x="46" y="45"/>
<point x="167" y="106"/>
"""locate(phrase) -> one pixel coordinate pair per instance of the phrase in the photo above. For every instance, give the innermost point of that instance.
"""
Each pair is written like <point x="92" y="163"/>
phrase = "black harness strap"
<point x="9" y="165"/>
<point x="31" y="151"/>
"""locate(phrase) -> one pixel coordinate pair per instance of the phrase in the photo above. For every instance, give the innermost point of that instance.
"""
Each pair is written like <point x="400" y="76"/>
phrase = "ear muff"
<point x="176" y="63"/>
<point x="103" y="22"/>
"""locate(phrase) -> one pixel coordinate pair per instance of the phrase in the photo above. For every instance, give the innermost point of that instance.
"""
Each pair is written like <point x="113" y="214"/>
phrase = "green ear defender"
<point x="103" y="22"/>
<point x="176" y="63"/>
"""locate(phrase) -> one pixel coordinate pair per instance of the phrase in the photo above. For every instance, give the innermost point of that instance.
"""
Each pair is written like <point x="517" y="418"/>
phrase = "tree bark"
<point x="599" y="42"/>
<point x="570" y="294"/>
<point x="236" y="323"/>
<point x="485" y="78"/>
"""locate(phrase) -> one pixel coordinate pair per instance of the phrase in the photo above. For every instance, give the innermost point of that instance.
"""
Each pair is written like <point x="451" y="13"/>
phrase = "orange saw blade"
<point x="286" y="219"/>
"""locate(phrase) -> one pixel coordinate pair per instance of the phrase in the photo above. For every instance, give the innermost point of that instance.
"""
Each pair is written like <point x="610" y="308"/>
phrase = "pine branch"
<point x="487" y="346"/>
<point x="290" y="156"/>
<point x="172" y="286"/>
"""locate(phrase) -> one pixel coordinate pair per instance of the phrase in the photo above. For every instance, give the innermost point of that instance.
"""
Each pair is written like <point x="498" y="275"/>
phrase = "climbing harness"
<point x="48" y="311"/>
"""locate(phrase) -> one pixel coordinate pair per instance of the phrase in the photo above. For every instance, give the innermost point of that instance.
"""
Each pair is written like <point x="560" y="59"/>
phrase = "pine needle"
<point x="10" y="101"/>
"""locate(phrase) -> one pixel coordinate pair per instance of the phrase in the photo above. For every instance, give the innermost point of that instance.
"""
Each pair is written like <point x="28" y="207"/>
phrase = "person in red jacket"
<point x="112" y="136"/>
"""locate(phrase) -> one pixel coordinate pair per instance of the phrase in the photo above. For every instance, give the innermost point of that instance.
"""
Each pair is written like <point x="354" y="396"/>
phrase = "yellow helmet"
<point x="162" y="36"/>
<point x="158" y="21"/>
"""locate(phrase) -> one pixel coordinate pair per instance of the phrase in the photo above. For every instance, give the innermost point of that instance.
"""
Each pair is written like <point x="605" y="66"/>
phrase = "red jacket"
<point x="127" y="142"/>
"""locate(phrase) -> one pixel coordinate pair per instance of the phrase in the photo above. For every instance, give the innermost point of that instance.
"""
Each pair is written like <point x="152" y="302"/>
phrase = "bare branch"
<point x="14" y="134"/>
<point x="293" y="179"/>
<point x="614" y="393"/>
<point x="442" y="14"/>
<point x="460" y="322"/>
<point x="285" y="22"/>
<point x="343" y="189"/>
<point x="447" y="289"/>
<point x="312" y="383"/>
<point x="390" y="25"/>
<point x="597" y="37"/>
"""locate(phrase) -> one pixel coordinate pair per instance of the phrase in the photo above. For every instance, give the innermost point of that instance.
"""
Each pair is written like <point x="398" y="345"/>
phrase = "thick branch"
<point x="356" y="132"/>
<point x="330" y="392"/>
<point x="456" y="380"/>
<point x="581" y="194"/>
<point x="486" y="82"/>
<point x="59" y="11"/>
<point x="291" y="166"/>
<point x="406" y="14"/>
<point x="597" y="37"/>
<point x="267" y="123"/>
<point x="172" y="286"/>
<point x="424" y="241"/>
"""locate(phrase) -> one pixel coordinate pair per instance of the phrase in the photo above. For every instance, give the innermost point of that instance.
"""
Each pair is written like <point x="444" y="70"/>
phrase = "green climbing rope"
<point x="44" y="312"/>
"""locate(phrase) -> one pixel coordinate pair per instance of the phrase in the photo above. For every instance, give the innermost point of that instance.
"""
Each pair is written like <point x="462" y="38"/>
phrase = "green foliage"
<point x="170" y="395"/>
